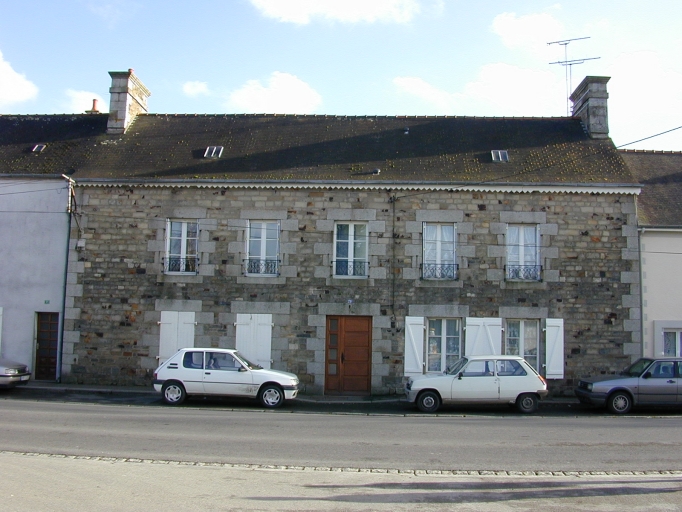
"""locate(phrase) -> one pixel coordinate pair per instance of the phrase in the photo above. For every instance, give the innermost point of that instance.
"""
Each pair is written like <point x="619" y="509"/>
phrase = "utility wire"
<point x="650" y="137"/>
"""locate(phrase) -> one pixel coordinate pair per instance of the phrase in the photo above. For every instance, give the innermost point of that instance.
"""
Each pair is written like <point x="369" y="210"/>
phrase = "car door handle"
<point x="671" y="381"/>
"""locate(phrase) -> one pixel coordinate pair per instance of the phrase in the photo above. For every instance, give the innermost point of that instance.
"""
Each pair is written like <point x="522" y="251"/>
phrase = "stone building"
<point x="352" y="251"/>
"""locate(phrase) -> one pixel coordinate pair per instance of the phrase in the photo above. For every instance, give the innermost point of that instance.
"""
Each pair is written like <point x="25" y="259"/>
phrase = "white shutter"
<point x="483" y="336"/>
<point x="176" y="332"/>
<point x="185" y="330"/>
<point x="254" y="338"/>
<point x="414" y="345"/>
<point x="168" y="338"/>
<point x="554" y="348"/>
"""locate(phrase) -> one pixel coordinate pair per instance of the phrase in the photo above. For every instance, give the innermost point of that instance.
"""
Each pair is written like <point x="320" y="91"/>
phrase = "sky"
<point x="486" y="58"/>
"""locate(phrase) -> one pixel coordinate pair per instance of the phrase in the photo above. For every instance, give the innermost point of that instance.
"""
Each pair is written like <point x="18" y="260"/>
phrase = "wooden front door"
<point x="348" y="355"/>
<point x="47" y="345"/>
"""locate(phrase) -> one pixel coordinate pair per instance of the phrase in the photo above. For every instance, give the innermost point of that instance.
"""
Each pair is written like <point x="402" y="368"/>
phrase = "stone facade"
<point x="118" y="288"/>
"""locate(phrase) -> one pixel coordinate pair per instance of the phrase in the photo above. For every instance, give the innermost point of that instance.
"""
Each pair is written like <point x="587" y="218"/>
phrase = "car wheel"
<point x="527" y="403"/>
<point x="173" y="393"/>
<point x="271" y="396"/>
<point x="428" y="401"/>
<point x="619" y="403"/>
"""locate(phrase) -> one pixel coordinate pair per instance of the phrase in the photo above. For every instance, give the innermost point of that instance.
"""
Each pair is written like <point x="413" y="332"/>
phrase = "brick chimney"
<point x="128" y="99"/>
<point x="589" y="104"/>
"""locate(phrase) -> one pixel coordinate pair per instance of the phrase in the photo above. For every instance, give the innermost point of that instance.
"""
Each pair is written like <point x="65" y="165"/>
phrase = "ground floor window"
<point x="672" y="343"/>
<point x="521" y="339"/>
<point x="444" y="343"/>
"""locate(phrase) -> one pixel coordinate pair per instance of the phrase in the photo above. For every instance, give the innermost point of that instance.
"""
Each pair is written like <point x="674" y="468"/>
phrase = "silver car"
<point x="647" y="381"/>
<point x="13" y="374"/>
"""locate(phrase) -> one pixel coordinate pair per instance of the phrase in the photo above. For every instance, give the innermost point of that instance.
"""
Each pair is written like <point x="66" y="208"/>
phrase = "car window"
<point x="222" y="361"/>
<point x="457" y="366"/>
<point x="662" y="370"/>
<point x="637" y="368"/>
<point x="510" y="369"/>
<point x="193" y="360"/>
<point x="479" y="368"/>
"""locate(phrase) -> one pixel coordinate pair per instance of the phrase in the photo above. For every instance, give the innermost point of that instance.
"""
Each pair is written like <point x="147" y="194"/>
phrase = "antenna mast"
<point x="568" y="64"/>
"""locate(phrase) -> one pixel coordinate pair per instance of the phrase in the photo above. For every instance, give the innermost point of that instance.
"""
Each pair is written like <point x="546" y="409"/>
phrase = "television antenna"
<point x="568" y="64"/>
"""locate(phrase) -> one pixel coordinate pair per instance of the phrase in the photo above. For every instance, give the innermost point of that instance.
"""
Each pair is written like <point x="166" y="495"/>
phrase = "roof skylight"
<point x="500" y="155"/>
<point x="38" y="148"/>
<point x="213" y="152"/>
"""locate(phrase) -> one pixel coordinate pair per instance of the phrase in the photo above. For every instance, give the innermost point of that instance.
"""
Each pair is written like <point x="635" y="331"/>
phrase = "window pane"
<point x="192" y="229"/>
<point x="360" y="251"/>
<point x="530" y="339"/>
<point x="176" y="229"/>
<point x="430" y="231"/>
<point x="271" y="249"/>
<point x="341" y="250"/>
<point x="342" y="231"/>
<point x="360" y="230"/>
<point x="669" y="343"/>
<point x="254" y="248"/>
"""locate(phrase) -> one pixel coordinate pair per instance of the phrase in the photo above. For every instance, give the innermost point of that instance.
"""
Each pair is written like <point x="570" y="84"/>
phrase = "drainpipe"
<point x="60" y="343"/>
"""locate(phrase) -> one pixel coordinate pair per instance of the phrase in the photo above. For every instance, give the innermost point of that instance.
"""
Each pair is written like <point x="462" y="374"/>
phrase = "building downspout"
<point x="60" y="342"/>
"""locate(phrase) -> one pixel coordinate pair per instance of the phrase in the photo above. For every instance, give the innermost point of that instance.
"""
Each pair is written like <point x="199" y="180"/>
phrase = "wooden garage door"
<point x="348" y="355"/>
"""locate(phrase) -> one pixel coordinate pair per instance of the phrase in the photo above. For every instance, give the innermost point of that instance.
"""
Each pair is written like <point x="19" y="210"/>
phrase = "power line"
<point x="650" y="137"/>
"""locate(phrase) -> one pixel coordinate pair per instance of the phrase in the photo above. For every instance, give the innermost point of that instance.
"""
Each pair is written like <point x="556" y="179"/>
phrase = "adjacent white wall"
<point x="33" y="239"/>
<point x="661" y="282"/>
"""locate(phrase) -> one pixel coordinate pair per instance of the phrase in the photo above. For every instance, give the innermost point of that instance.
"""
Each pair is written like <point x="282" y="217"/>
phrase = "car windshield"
<point x="247" y="363"/>
<point x="456" y="366"/>
<point x="637" y="368"/>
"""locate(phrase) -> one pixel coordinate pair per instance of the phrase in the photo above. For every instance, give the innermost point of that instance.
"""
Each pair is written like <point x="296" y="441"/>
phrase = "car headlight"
<point x="408" y="386"/>
<point x="589" y="386"/>
<point x="12" y="371"/>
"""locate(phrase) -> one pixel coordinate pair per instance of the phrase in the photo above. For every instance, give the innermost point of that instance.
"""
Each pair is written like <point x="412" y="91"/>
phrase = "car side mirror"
<point x="646" y="375"/>
<point x="459" y="375"/>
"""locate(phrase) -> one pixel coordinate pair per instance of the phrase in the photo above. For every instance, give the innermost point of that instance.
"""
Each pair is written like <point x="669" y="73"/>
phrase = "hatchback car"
<point x="480" y="380"/>
<point x="224" y="372"/>
<point x="647" y="381"/>
<point x="13" y="374"/>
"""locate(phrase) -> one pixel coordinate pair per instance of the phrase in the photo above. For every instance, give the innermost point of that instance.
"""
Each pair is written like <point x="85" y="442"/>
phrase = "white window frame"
<point x="352" y="248"/>
<point x="258" y="261"/>
<point x="437" y="357"/>
<point x="523" y="348"/>
<point x="185" y="254"/>
<point x="433" y="266"/>
<point x="500" y="155"/>
<point x="523" y="251"/>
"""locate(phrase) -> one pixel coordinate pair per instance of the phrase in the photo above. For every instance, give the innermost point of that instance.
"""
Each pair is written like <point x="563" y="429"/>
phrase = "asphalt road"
<point x="64" y="451"/>
<point x="243" y="433"/>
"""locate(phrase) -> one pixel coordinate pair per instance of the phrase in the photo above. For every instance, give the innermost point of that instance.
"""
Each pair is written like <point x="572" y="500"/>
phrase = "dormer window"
<point x="38" y="148"/>
<point x="500" y="155"/>
<point x="213" y="152"/>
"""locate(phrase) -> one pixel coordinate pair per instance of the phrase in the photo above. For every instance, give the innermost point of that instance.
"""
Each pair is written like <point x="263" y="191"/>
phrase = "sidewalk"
<point x="56" y="387"/>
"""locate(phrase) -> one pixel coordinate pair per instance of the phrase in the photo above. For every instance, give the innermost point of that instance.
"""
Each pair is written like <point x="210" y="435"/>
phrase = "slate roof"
<point x="296" y="148"/>
<point x="660" y="173"/>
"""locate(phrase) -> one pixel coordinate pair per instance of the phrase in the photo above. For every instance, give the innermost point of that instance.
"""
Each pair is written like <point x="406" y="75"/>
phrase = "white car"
<point x="224" y="372"/>
<point x="480" y="380"/>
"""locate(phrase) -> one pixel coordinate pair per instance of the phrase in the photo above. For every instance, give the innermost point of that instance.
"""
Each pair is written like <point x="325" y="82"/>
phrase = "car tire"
<point x="173" y="393"/>
<point x="527" y="403"/>
<point x="271" y="396"/>
<point x="619" y="402"/>
<point x="428" y="401"/>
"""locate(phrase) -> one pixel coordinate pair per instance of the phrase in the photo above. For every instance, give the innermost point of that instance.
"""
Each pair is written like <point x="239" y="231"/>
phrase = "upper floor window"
<point x="262" y="248"/>
<point x="439" y="251"/>
<point x="181" y="246"/>
<point x="521" y="339"/>
<point x="444" y="344"/>
<point x="523" y="253"/>
<point x="672" y="343"/>
<point x="350" y="250"/>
